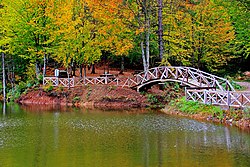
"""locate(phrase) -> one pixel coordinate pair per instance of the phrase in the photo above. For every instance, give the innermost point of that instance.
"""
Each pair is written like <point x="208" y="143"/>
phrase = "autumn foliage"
<point x="204" y="34"/>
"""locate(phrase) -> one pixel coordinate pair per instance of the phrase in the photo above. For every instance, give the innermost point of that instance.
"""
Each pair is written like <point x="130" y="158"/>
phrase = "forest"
<point x="211" y="35"/>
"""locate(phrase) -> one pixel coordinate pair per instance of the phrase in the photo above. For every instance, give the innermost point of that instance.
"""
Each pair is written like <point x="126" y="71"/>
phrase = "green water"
<point x="71" y="137"/>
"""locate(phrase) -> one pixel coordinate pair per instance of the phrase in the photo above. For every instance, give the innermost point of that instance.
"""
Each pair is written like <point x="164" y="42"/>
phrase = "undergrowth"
<point x="22" y="88"/>
<point x="192" y="107"/>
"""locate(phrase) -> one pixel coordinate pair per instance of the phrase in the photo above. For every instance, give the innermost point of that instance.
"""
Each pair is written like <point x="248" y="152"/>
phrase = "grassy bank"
<point x="196" y="110"/>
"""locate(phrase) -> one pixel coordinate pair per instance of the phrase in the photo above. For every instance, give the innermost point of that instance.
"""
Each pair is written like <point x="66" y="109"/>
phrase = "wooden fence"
<point x="223" y="98"/>
<point x="73" y="82"/>
<point x="204" y="87"/>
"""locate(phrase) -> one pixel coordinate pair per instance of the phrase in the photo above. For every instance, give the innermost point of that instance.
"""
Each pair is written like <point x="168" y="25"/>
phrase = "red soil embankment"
<point x="98" y="96"/>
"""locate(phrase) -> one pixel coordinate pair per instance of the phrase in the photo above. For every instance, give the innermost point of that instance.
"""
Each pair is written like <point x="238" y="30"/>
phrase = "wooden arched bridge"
<point x="200" y="86"/>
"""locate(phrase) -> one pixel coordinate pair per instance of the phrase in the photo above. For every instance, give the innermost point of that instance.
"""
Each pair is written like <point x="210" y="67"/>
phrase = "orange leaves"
<point x="110" y="16"/>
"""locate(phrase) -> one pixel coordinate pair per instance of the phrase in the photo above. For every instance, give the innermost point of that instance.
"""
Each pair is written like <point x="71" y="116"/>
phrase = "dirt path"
<point x="246" y="85"/>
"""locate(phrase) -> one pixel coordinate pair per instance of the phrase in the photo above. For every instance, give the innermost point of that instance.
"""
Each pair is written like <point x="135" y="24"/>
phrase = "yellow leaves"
<point x="140" y="30"/>
<point x="199" y="31"/>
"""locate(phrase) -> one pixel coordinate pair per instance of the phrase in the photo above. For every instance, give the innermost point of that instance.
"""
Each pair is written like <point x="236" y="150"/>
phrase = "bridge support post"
<point x="228" y="99"/>
<point x="186" y="94"/>
<point x="205" y="97"/>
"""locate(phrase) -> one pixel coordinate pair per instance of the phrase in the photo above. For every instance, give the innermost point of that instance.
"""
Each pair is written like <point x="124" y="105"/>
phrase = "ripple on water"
<point x="78" y="136"/>
<point x="151" y="123"/>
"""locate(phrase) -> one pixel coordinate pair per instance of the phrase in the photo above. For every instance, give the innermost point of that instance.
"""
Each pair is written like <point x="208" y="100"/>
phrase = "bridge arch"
<point x="185" y="75"/>
<point x="157" y="81"/>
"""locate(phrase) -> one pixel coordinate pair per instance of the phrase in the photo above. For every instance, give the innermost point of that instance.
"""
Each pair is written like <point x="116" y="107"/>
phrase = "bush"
<point x="152" y="99"/>
<point x="49" y="87"/>
<point x="233" y="83"/>
<point x="76" y="98"/>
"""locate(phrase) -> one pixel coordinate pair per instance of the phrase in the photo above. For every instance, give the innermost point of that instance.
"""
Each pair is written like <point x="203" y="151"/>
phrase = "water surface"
<point x="73" y="137"/>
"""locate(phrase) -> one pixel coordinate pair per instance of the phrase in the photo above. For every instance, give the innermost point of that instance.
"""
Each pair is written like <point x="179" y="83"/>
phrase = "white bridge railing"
<point x="186" y="75"/>
<point x="207" y="88"/>
<point x="223" y="98"/>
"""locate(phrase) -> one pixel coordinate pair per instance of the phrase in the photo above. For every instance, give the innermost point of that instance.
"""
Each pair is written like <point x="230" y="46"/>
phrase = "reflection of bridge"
<point x="201" y="86"/>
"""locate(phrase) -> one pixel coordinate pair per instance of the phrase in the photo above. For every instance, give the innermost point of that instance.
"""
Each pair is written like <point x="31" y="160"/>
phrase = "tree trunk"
<point x="80" y="71"/>
<point x="73" y="69"/>
<point x="122" y="65"/>
<point x="37" y="69"/>
<point x="160" y="29"/>
<point x="44" y="65"/>
<point x="144" y="35"/>
<point x="93" y="69"/>
<point x="68" y="77"/>
<point x="84" y="74"/>
<point x="12" y="73"/>
<point x="84" y="71"/>
<point x="4" y="81"/>
<point x="147" y="24"/>
<point x="193" y="43"/>
<point x="143" y="55"/>
<point x="147" y="49"/>
<point x="169" y="31"/>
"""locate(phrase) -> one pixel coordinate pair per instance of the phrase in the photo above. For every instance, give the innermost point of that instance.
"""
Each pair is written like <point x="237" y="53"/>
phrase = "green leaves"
<point x="198" y="35"/>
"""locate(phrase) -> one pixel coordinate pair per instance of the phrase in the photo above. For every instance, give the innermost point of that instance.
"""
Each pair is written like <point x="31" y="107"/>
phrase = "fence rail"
<point x="207" y="88"/>
<point x="55" y="81"/>
<point x="186" y="75"/>
<point x="222" y="98"/>
<point x="73" y="82"/>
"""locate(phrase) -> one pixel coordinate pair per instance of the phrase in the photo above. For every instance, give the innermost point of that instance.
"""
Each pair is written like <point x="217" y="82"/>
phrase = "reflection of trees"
<point x="160" y="147"/>
<point x="40" y="150"/>
<point x="146" y="149"/>
<point x="56" y="129"/>
<point x="227" y="138"/>
<point x="113" y="140"/>
<point x="4" y="108"/>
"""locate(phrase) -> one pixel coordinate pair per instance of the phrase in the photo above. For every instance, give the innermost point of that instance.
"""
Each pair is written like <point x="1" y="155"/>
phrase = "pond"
<point x="79" y="137"/>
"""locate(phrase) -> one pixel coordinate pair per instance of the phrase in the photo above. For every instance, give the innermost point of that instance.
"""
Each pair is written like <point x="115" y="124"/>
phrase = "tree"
<point x="201" y="35"/>
<point x="30" y="30"/>
<point x="85" y="29"/>
<point x="239" y="17"/>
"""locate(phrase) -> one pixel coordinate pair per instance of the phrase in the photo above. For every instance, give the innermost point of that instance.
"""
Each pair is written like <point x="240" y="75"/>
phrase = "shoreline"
<point x="242" y="124"/>
<point x="115" y="98"/>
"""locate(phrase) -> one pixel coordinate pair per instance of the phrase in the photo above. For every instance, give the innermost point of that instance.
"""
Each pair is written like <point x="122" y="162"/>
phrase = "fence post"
<point x="156" y="73"/>
<point x="186" y="93"/>
<point x="228" y="99"/>
<point x="205" y="97"/>
<point x="106" y="80"/>
<point x="176" y="73"/>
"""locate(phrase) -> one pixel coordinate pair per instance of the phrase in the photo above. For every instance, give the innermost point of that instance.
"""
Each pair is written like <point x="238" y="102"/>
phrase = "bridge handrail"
<point x="214" y="76"/>
<point x="224" y="98"/>
<point x="192" y="71"/>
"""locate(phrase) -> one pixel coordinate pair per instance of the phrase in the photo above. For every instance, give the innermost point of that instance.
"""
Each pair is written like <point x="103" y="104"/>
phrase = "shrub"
<point x="76" y="98"/>
<point x="88" y="93"/>
<point x="49" y="87"/>
<point x="152" y="99"/>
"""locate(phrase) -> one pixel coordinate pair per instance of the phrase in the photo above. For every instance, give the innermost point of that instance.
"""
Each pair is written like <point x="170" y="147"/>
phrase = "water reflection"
<point x="96" y="138"/>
